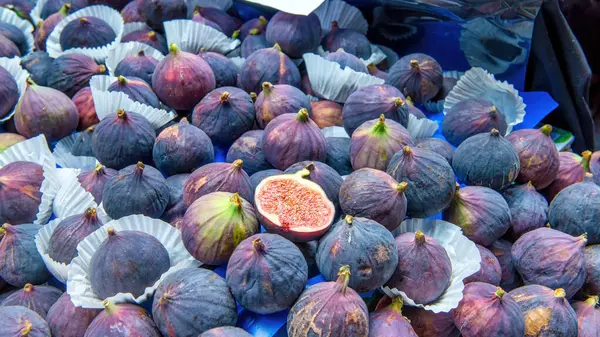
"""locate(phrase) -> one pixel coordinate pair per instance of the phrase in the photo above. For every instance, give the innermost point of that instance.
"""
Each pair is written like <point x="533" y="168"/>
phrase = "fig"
<point x="447" y="86"/>
<point x="67" y="320"/>
<point x="424" y="270"/>
<point x="320" y="173"/>
<point x="551" y="258"/>
<point x="225" y="331"/>
<point x="149" y="37"/>
<point x="197" y="17"/>
<point x="389" y="321"/>
<point x="528" y="209"/>
<point x="347" y="59"/>
<point x="155" y="12"/>
<point x="296" y="34"/>
<point x="370" y="102"/>
<point x="223" y="68"/>
<point x="338" y="154"/>
<point x="9" y="92"/>
<point x="293" y="207"/>
<point x="93" y="181"/>
<point x="47" y="26"/>
<point x="418" y="76"/>
<point x="538" y="155"/>
<point x="413" y="110"/>
<point x="122" y="320"/>
<point x="351" y="41"/>
<point x="224" y="114"/>
<point x="431" y="182"/>
<point x="137" y="65"/>
<point x="438" y="146"/>
<point x="43" y="110"/>
<point x="86" y="32"/>
<point x="373" y="70"/>
<point x="309" y="250"/>
<point x="429" y="324"/>
<point x="14" y="34"/>
<point x="20" y="262"/>
<point x="330" y="308"/>
<point x="365" y="246"/>
<point x="130" y="13"/>
<point x="83" y="143"/>
<point x="253" y="42"/>
<point x="62" y="246"/>
<point x="248" y="148"/>
<point x="375" y="142"/>
<point x="84" y="102"/>
<point x="19" y="321"/>
<point x="227" y="23"/>
<point x="176" y="208"/>
<point x="592" y="266"/>
<point x="259" y="24"/>
<point x="276" y="100"/>
<point x="9" y="139"/>
<point x="546" y="312"/>
<point x="191" y="301"/>
<point x="36" y="298"/>
<point x="123" y="139"/>
<point x="486" y="159"/>
<point x="20" y="194"/>
<point x="510" y="277"/>
<point x="136" y="89"/>
<point x="144" y="187"/>
<point x="375" y="195"/>
<point x="481" y="213"/>
<point x="194" y="79"/>
<point x="72" y="72"/>
<point x="257" y="177"/>
<point x="37" y="63"/>
<point x="588" y="316"/>
<point x="282" y="150"/>
<point x="266" y="273"/>
<point x="487" y="310"/>
<point x="268" y="65"/>
<point x="326" y="113"/>
<point x="218" y="177"/>
<point x="490" y="271"/>
<point x="471" y="117"/>
<point x="142" y="259"/>
<point x="52" y="6"/>
<point x="8" y="48"/>
<point x="571" y="170"/>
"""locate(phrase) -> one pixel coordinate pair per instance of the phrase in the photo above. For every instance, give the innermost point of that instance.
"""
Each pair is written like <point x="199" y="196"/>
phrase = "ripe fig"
<point x="296" y="34"/>
<point x="20" y="321"/>
<point x="320" y="173"/>
<point x="571" y="170"/>
<point x="8" y="48"/>
<point x="588" y="316"/>
<point x="93" y="181"/>
<point x="137" y="65"/>
<point x="438" y="146"/>
<point x="16" y="35"/>
<point x="137" y="89"/>
<point x="84" y="102"/>
<point x="510" y="277"/>
<point x="37" y="63"/>
<point x="268" y="65"/>
<point x="130" y="13"/>
<point x="429" y="324"/>
<point x="9" y="139"/>
<point x="248" y="148"/>
<point x="225" y="331"/>
<point x="326" y="113"/>
<point x="228" y="23"/>
<point x="62" y="246"/>
<point x="338" y="154"/>
<point x="72" y="72"/>
<point x="155" y="12"/>
<point x="260" y="24"/>
<point x="67" y="320"/>
<point x="592" y="266"/>
<point x="389" y="321"/>
<point x="86" y="32"/>
<point x="197" y="17"/>
<point x="36" y="298"/>
<point x="20" y="194"/>
<point x="83" y="143"/>
<point x="276" y="100"/>
<point x="348" y="59"/>
<point x="349" y="40"/>
<point x="223" y="68"/>
<point x="490" y="271"/>
<point x="253" y="42"/>
<point x="257" y="177"/>
<point x="9" y="92"/>
<point x="122" y="317"/>
<point x="20" y="262"/>
<point x="528" y="209"/>
<point x="149" y="37"/>
<point x="176" y="208"/>
<point x="471" y="117"/>
<point x="418" y="76"/>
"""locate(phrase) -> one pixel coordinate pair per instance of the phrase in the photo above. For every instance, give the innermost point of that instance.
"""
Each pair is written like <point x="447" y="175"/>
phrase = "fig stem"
<point x="560" y="293"/>
<point x="236" y="200"/>
<point x="410" y="101"/>
<point x="495" y="132"/>
<point x="108" y="306"/>
<point x="64" y="10"/>
<point x="401" y="187"/>
<point x="253" y="96"/>
<point x="90" y="213"/>
<point x="419" y="237"/>
<point x="152" y="35"/>
<point x="302" y="115"/>
<point x="546" y="129"/>
<point x="30" y="82"/>
<point x="593" y="300"/>
<point x="83" y="20"/>
<point x="121" y="113"/>
<point x="397" y="304"/>
<point x="27" y="328"/>
<point x="414" y="64"/>
<point x="258" y="245"/>
<point x="380" y="129"/>
<point x="304" y="173"/>
<point x="334" y="25"/>
<point x="585" y="162"/>
<point x="164" y="298"/>
<point x="340" y="50"/>
<point x="28" y="287"/>
<point x="584" y="237"/>
<point x="344" y="278"/>
<point x="185" y="121"/>
<point x="141" y="53"/>
<point x="530" y="184"/>
<point x="493" y="110"/>
<point x="407" y="150"/>
<point x="398" y="102"/>
<point x="254" y="31"/>
<point x="111" y="231"/>
<point x="500" y="292"/>
<point x="101" y="69"/>
<point x="224" y="97"/>
<point x="139" y="168"/>
<point x="173" y="48"/>
<point x="235" y="34"/>
<point x="237" y="164"/>
<point x="98" y="168"/>
<point x="262" y="20"/>
<point x="122" y="80"/>
<point x="277" y="46"/>
<point x="267" y="87"/>
<point x="349" y="219"/>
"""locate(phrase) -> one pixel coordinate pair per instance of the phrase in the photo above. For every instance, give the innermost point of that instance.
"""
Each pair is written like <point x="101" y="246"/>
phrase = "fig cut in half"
<point x="294" y="207"/>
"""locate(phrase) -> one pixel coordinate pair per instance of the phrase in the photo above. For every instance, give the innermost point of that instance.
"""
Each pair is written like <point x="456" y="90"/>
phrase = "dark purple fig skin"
<point x="308" y="142"/>
<point x="67" y="320"/>
<point x="218" y="177"/>
<point x="331" y="309"/>
<point x="17" y="319"/>
<point x="486" y="310"/>
<point x="373" y="70"/>
<point x="9" y="139"/>
<point x="413" y="110"/>
<point x="470" y="117"/>
<point x="86" y="32"/>
<point x="375" y="142"/>
<point x="149" y="37"/>
<point x="547" y="312"/>
<point x="9" y="92"/>
<point x="137" y="189"/>
<point x="227" y="23"/>
<point x="137" y="89"/>
<point x="592" y="266"/>
<point x="83" y="143"/>
<point x="93" y="181"/>
<point x="130" y="13"/>
<point x="266" y="273"/>
<point x="20" y="184"/>
<point x="8" y="48"/>
<point x="123" y="139"/>
<point x="490" y="271"/>
<point x="253" y="43"/>
<point x="139" y="65"/>
<point x="309" y="251"/>
<point x="363" y="244"/>
<point x="481" y="213"/>
<point x="347" y="59"/>
<point x="260" y="24"/>
<point x="224" y="114"/>
<point x="192" y="301"/>
<point x="37" y="63"/>
<point x="14" y="34"/>
<point x="36" y="298"/>
<point x="349" y="40"/>
<point x="424" y="270"/>
<point x="326" y="113"/>
<point x="429" y="324"/>
<point x="225" y="71"/>
<point x="84" y="102"/>
<point x="122" y="320"/>
<point x="20" y="262"/>
<point x="338" y="154"/>
<point x="438" y="146"/>
<point x="197" y="17"/>
<point x="127" y="262"/>
<point x="53" y="6"/>
<point x="176" y="208"/>
<point x="248" y="148"/>
<point x="62" y="246"/>
<point x="551" y="258"/>
<point x="226" y="331"/>
<point x="155" y="12"/>
<point x="588" y="316"/>
<point x="182" y="148"/>
<point x="538" y="155"/>
<point x="510" y="277"/>
<point x="181" y="79"/>
<point x="389" y="322"/>
<point x="431" y="181"/>
<point x="322" y="174"/>
<point x="268" y="65"/>
<point x="372" y="101"/>
<point x="528" y="209"/>
<point x="576" y="210"/>
<point x="72" y="72"/>
<point x="486" y="159"/>
<point x="276" y="100"/>
<point x="296" y="34"/>
<point x="418" y="76"/>
<point x="257" y="177"/>
<point x="571" y="170"/>
<point x="375" y="195"/>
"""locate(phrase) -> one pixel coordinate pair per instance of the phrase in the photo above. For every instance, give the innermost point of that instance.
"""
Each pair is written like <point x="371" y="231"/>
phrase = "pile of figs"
<point x="292" y="202"/>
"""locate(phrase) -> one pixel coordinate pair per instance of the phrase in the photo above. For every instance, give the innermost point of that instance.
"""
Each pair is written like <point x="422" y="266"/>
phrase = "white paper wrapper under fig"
<point x="8" y="16"/>
<point x="20" y="75"/>
<point x="463" y="254"/>
<point x="421" y="128"/>
<point x="73" y="199"/>
<point x="377" y="55"/>
<point x="79" y="285"/>
<point x="36" y="150"/>
<point x="65" y="159"/>
<point x="125" y="49"/>
<point x="303" y="7"/>
<point x="191" y="36"/>
<point x="36" y="12"/>
<point x="347" y="16"/>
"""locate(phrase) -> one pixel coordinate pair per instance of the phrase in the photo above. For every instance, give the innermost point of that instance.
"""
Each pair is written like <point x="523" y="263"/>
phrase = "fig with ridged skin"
<point x="149" y="37"/>
<point x="8" y="48"/>
<point x="266" y="273"/>
<point x="62" y="245"/>
<point x="592" y="266"/>
<point x="137" y="65"/>
<point x="470" y="117"/>
<point x="348" y="59"/>
<point x="16" y="35"/>
<point x="330" y="309"/>
<point x="20" y="262"/>
<point x="136" y="89"/>
<point x="130" y="13"/>
<point x="571" y="170"/>
<point x="155" y="12"/>
<point x="487" y="310"/>
<point x="510" y="277"/>
<point x="296" y="34"/>
<point x="72" y="72"/>
<point x="268" y="65"/>
<point x="375" y="71"/>
<point x="225" y="331"/>
<point x="248" y="148"/>
<point x="338" y="154"/>
<point x="67" y="320"/>
<point x="418" y="76"/>
<point x="191" y="301"/>
<point x="260" y="24"/>
<point x="20" y="192"/>
<point x="438" y="146"/>
<point x="86" y="32"/>
<point x="93" y="181"/>
<point x="37" y="298"/>
<point x="320" y="173"/>
<point x="9" y="92"/>
<point x="122" y="320"/>
<point x="390" y="322"/>
<point x="429" y="324"/>
<point x="257" y="177"/>
<point x="528" y="209"/>
<point x="588" y="316"/>
<point x="83" y="143"/>
<point x="253" y="42"/>
<point x="551" y="258"/>
<point x="18" y="321"/>
<point x="37" y="63"/>
<point x="547" y="312"/>
<point x="351" y="41"/>
<point x="84" y="102"/>
<point x="224" y="69"/>
<point x="326" y="113"/>
<point x="276" y="100"/>
<point x="9" y="139"/>
<point x="489" y="268"/>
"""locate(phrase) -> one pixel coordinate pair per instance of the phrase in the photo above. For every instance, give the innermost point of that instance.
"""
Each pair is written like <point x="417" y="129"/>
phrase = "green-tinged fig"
<point x="9" y="139"/>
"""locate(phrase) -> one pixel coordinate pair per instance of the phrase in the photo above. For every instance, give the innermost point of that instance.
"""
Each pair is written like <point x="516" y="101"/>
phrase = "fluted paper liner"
<point x="377" y="55"/>
<point x="36" y="11"/>
<point x="109" y="15"/>
<point x="65" y="159"/>
<point x="79" y="285"/>
<point x="107" y="103"/>
<point x="20" y="75"/>
<point x="463" y="254"/>
<point x="191" y="36"/>
<point x="36" y="150"/>
<point x="73" y="199"/>
<point x="438" y="106"/>
<point x="134" y="27"/>
<point x="8" y="16"/>
<point x="335" y="131"/>
<point x="220" y="4"/>
<point x="421" y="128"/>
<point x="125" y="49"/>
<point x="330" y="81"/>
<point x="347" y="16"/>
<point x="303" y="7"/>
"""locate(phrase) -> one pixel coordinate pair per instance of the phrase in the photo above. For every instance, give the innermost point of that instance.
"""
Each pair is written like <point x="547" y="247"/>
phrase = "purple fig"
<point x="52" y="6"/>
<point x="373" y="70"/>
<point x="72" y="72"/>
<point x="348" y="60"/>
<point x="276" y="100"/>
<point x="67" y="320"/>
<point x="489" y="270"/>
<point x="260" y="24"/>
<point x="338" y="154"/>
<point x="16" y="35"/>
<point x="197" y="17"/>
<point x="326" y="113"/>
<point x="309" y="251"/>
<point x="93" y="181"/>
<point x="588" y="316"/>
<point x="8" y="48"/>
<point x="37" y="64"/>
<point x="268" y="65"/>
<point x="20" y="321"/>
<point x="470" y="117"/>
<point x="592" y="266"/>
<point x="9" y="139"/>
<point x="20" y="194"/>
<point x="137" y="65"/>
<point x="389" y="321"/>
<point x="225" y="331"/>
<point x="84" y="102"/>
<point x="253" y="42"/>
<point x="127" y="317"/>
<point x="155" y="12"/>
<point x="438" y="146"/>
<point x="227" y="23"/>
<point x="413" y="110"/>
<point x="86" y="32"/>
<point x="429" y="324"/>
<point x="296" y="34"/>
<point x="20" y="262"/>
<point x="83" y="143"/>
<point x="137" y="89"/>
<point x="9" y="92"/>
<point x="48" y="25"/>
<point x="130" y="13"/>
<point x="257" y="177"/>
<point x="225" y="71"/>
<point x="418" y="76"/>
<point x="528" y="209"/>
<point x="36" y="298"/>
<point x="351" y="41"/>
<point x="447" y="86"/>
<point x="320" y="173"/>
<point x="571" y="170"/>
<point x="149" y="37"/>
<point x="62" y="246"/>
<point x="176" y="208"/>
<point x="248" y="148"/>
<point x="510" y="277"/>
